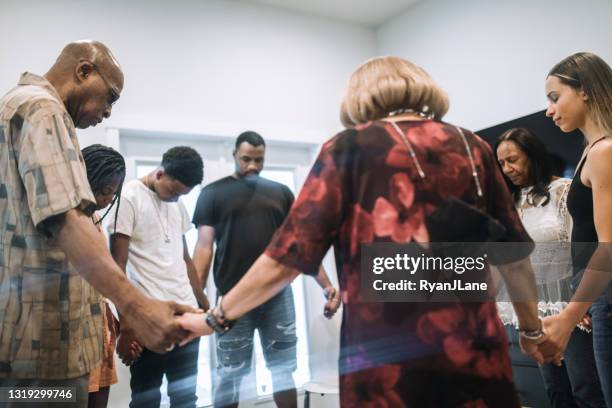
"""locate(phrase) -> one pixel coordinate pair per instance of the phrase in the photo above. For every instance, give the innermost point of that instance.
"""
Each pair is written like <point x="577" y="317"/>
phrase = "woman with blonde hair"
<point x="380" y="181"/>
<point x="579" y="91"/>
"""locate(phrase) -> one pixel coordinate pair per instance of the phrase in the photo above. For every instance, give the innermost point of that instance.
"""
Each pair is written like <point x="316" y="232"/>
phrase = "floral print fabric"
<point x="365" y="188"/>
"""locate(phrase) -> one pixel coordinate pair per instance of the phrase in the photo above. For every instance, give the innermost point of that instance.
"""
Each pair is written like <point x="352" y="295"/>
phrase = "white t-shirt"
<point x="155" y="258"/>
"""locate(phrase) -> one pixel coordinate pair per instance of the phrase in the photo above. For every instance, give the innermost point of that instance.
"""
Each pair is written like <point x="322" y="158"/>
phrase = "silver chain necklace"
<point x="415" y="160"/>
<point x="158" y="212"/>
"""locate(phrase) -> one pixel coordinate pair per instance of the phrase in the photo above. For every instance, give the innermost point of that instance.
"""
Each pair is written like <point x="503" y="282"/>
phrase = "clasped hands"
<point x="549" y="348"/>
<point x="196" y="323"/>
<point x="160" y="326"/>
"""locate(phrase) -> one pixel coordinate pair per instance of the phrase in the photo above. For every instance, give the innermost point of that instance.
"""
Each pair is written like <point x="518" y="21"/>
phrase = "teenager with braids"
<point x="105" y="173"/>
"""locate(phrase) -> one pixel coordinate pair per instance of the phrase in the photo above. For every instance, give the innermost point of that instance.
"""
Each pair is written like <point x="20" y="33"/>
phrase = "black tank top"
<point x="580" y="207"/>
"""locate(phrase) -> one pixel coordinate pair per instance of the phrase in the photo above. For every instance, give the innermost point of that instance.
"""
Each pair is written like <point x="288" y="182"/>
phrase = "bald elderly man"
<point x="51" y="254"/>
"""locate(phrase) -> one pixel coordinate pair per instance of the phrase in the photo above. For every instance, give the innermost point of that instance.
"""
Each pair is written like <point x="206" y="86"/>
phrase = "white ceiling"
<point x="371" y="13"/>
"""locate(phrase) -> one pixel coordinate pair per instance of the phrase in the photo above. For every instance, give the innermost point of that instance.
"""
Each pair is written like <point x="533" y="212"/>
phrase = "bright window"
<point x="302" y="374"/>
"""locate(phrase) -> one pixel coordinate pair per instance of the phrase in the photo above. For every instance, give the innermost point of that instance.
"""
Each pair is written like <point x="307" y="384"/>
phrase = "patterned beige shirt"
<point x="50" y="318"/>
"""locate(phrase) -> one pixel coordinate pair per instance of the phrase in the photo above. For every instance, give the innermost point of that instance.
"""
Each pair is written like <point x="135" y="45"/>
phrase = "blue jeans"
<point x="575" y="383"/>
<point x="275" y="321"/>
<point x="601" y="314"/>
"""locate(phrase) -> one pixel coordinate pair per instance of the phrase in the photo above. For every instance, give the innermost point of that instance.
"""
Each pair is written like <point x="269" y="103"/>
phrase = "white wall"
<point x="492" y="56"/>
<point x="207" y="67"/>
<point x="215" y="68"/>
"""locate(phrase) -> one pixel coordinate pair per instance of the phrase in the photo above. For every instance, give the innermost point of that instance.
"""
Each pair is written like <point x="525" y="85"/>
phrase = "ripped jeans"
<point x="275" y="321"/>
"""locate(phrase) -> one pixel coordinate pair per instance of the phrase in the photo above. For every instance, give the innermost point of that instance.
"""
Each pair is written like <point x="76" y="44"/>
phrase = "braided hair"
<point x="105" y="166"/>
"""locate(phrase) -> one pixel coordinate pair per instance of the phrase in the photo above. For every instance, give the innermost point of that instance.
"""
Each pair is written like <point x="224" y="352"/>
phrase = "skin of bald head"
<point x="89" y="81"/>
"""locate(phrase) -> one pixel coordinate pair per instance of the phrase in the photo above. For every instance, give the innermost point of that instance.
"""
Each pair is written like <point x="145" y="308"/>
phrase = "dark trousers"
<point x="601" y="313"/>
<point x="575" y="383"/>
<point x="181" y="369"/>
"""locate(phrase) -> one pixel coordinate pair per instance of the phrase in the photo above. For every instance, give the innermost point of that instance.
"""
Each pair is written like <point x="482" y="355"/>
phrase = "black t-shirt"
<point x="245" y="213"/>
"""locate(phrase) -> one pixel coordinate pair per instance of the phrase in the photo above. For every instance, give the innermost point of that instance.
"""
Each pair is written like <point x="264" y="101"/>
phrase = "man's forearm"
<point x="88" y="253"/>
<point x="202" y="258"/>
<point x="194" y="280"/>
<point x="263" y="280"/>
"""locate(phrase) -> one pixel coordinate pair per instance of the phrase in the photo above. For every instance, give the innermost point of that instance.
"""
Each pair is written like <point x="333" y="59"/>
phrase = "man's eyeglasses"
<point x="113" y="95"/>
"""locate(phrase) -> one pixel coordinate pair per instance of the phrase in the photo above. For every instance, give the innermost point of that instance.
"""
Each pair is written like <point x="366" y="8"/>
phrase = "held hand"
<point x="203" y="302"/>
<point x="128" y="348"/>
<point x="532" y="348"/>
<point x="333" y="302"/>
<point x="155" y="326"/>
<point x="559" y="329"/>
<point x="195" y="324"/>
<point x="586" y="322"/>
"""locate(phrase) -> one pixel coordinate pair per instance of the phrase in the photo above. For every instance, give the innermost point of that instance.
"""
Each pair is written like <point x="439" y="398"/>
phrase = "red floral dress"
<point x="364" y="188"/>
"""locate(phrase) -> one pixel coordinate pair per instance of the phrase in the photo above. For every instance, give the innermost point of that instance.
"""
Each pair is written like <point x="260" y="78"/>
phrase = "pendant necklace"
<point x="158" y="212"/>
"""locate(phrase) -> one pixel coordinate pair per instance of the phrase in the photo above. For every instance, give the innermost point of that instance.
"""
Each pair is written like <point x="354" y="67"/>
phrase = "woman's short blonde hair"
<point x="386" y="84"/>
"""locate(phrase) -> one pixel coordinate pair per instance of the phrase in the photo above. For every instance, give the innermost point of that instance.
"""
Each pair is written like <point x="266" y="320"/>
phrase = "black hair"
<point x="184" y="164"/>
<point x="252" y="138"/>
<point x="539" y="162"/>
<point x="104" y="166"/>
<point x="558" y="165"/>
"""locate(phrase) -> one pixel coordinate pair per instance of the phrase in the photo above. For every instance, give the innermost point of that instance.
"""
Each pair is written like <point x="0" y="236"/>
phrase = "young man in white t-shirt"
<point x="148" y="242"/>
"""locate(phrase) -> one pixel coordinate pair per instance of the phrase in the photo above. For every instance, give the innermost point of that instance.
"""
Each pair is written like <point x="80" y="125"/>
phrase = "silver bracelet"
<point x="532" y="334"/>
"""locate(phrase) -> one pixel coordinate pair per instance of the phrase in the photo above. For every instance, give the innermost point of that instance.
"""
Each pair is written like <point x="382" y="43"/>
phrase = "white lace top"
<point x="550" y="227"/>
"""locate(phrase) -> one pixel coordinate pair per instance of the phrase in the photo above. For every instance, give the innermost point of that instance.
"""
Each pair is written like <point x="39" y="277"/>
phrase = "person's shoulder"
<point x="599" y="162"/>
<point x="340" y="138"/>
<point x="559" y="188"/>
<point x="354" y="139"/>
<point x="32" y="101"/>
<point x="268" y="185"/>
<point x="559" y="183"/>
<point x="132" y="189"/>
<point x="217" y="184"/>
<point x="601" y="152"/>
<point x="469" y="135"/>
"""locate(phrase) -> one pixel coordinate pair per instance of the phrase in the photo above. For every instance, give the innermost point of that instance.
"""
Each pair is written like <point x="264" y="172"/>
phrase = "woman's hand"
<point x="195" y="324"/>
<point x="333" y="302"/>
<point x="128" y="348"/>
<point x="586" y="323"/>
<point x="532" y="348"/>
<point x="558" y="329"/>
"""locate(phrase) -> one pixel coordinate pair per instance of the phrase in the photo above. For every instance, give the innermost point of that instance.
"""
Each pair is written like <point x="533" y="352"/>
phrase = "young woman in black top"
<point x="579" y="91"/>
